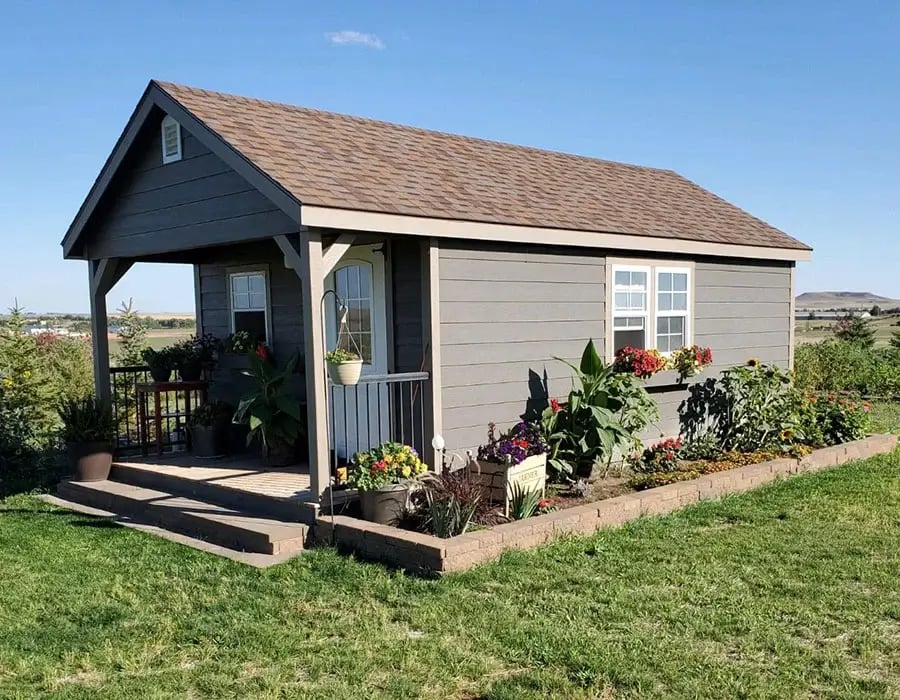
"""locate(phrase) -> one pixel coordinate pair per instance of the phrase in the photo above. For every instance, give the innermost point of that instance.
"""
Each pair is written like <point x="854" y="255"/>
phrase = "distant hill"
<point x="843" y="300"/>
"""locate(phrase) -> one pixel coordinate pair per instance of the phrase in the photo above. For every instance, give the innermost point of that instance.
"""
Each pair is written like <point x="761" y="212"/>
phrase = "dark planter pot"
<point x="280" y="455"/>
<point x="160" y="374"/>
<point x="209" y="440"/>
<point x="191" y="372"/>
<point x="385" y="505"/>
<point x="92" y="460"/>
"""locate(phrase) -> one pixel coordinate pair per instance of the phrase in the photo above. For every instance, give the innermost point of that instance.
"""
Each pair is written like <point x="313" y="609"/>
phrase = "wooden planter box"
<point x="497" y="480"/>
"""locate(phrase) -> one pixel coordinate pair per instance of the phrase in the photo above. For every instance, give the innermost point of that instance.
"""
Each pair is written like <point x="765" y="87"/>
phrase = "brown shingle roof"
<point x="335" y="160"/>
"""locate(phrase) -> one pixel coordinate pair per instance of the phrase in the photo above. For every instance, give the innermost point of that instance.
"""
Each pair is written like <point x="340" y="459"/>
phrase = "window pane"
<point x="239" y="283"/>
<point x="241" y="301"/>
<point x="623" y="279"/>
<point x="257" y="283"/>
<point x="258" y="301"/>
<point x="253" y="322"/>
<point x="353" y="284"/>
<point x="622" y="301"/>
<point x="628" y="322"/>
<point x="633" y="338"/>
<point x="637" y="302"/>
<point x="679" y="301"/>
<point x="680" y="282"/>
<point x="665" y="281"/>
<point x="639" y="279"/>
<point x="665" y="302"/>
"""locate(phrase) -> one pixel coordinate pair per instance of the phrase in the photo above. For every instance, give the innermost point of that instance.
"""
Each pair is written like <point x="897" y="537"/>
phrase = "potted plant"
<point x="516" y="459"/>
<point x="383" y="476"/>
<point x="89" y="433"/>
<point x="239" y="343"/>
<point x="344" y="367"/>
<point x="689" y="362"/>
<point x="160" y="363"/>
<point x="274" y="416"/>
<point x="209" y="429"/>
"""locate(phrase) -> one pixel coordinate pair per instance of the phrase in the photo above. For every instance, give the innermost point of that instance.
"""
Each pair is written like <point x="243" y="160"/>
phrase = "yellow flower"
<point x="8" y="383"/>
<point x="753" y="362"/>
<point x="406" y="471"/>
<point x="388" y="459"/>
<point x="26" y="374"/>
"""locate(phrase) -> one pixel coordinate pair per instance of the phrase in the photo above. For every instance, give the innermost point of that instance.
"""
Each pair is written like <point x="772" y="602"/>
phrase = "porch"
<point x="394" y="399"/>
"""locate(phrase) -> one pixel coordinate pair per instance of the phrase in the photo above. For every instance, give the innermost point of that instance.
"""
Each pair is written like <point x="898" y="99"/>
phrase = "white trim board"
<point x="347" y="219"/>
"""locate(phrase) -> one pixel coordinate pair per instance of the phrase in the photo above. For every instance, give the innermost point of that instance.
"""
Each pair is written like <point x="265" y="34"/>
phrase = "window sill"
<point x="670" y="378"/>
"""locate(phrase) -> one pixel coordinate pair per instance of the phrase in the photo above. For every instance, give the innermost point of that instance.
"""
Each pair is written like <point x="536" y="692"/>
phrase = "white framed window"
<point x="171" y="140"/>
<point x="651" y="306"/>
<point x="631" y="306"/>
<point x="250" y="303"/>
<point x="354" y="286"/>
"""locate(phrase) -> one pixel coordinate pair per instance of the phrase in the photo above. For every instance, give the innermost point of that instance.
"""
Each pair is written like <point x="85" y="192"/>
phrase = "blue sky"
<point x="790" y="110"/>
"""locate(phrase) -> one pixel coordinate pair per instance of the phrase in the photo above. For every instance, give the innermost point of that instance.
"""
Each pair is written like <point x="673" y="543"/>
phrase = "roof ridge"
<point x="408" y="127"/>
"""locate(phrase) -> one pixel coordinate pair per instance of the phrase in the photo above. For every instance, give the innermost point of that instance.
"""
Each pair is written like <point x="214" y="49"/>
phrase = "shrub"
<point x="661" y="457"/>
<point x="749" y="408"/>
<point x="841" y="366"/>
<point x="855" y="329"/>
<point x="599" y="421"/>
<point x="831" y="420"/>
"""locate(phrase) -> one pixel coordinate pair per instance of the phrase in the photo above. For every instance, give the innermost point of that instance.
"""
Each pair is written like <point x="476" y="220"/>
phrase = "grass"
<point x="790" y="591"/>
<point x="156" y="339"/>
<point x="886" y="417"/>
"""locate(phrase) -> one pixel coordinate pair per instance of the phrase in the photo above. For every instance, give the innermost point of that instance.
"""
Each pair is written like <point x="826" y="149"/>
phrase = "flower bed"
<point x="427" y="554"/>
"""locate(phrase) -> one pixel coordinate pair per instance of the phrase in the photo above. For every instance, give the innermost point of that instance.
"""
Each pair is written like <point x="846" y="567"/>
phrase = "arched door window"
<point x="353" y="284"/>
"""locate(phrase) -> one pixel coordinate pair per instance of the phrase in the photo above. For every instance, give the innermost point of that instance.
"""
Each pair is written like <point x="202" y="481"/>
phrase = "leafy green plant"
<point x="452" y="500"/>
<point x="523" y="502"/>
<point x="830" y="419"/>
<point x="339" y="356"/>
<point x="163" y="359"/>
<point x="750" y="407"/>
<point x="213" y="414"/>
<point x="661" y="457"/>
<point x="841" y="366"/>
<point x="86" y="419"/>
<point x="600" y="420"/>
<point x="273" y="414"/>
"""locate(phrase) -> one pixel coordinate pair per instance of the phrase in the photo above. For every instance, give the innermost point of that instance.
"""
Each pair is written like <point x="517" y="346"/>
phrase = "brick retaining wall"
<point x="427" y="554"/>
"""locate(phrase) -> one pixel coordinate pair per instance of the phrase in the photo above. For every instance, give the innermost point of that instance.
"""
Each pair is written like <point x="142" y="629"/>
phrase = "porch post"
<point x="99" y="330"/>
<point x="313" y="281"/>
<point x="431" y="308"/>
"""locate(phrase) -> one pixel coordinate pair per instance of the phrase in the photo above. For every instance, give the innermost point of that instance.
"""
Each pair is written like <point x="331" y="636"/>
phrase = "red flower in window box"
<point x="639" y="362"/>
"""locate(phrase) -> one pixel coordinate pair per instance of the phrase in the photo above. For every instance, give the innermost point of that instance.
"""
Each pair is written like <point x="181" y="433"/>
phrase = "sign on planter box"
<point x="498" y="481"/>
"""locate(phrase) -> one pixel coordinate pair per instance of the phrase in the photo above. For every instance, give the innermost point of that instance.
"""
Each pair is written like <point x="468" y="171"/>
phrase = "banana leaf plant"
<point x="600" y="420"/>
<point x="273" y="414"/>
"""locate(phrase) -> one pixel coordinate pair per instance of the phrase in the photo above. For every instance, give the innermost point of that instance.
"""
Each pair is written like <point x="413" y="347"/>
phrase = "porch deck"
<point x="240" y="473"/>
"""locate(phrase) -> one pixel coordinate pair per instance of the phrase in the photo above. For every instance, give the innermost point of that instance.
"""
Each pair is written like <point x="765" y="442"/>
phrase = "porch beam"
<point x="336" y="250"/>
<point x="99" y="273"/>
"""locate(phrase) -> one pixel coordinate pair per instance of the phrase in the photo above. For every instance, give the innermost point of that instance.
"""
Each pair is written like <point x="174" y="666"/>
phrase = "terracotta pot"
<point x="92" y="460"/>
<point x="160" y="374"/>
<point x="191" y="372"/>
<point x="345" y="373"/>
<point x="385" y="505"/>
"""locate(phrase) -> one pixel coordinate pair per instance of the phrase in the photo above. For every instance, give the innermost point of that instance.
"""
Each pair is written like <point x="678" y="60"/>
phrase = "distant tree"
<point x="895" y="340"/>
<point x="876" y="310"/>
<point x="811" y="316"/>
<point x="132" y="335"/>
<point x="854" y="329"/>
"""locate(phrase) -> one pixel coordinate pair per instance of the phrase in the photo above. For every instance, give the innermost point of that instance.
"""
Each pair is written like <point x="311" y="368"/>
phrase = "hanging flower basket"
<point x="344" y="368"/>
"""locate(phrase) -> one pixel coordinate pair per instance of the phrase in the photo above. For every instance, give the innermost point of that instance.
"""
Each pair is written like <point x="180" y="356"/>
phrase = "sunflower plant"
<point x="389" y="463"/>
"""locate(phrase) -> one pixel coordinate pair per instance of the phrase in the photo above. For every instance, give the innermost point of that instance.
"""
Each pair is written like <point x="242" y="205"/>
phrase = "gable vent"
<point x="171" y="140"/>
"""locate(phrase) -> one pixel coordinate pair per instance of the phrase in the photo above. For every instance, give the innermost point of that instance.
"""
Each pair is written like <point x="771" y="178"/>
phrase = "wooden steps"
<point x="242" y="530"/>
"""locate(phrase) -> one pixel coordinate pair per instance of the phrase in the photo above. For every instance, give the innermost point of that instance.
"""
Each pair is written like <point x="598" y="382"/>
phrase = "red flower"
<point x="262" y="352"/>
<point x="554" y="406"/>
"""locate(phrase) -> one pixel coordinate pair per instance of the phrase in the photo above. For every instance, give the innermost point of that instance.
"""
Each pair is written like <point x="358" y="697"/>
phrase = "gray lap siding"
<point x="197" y="201"/>
<point x="508" y="311"/>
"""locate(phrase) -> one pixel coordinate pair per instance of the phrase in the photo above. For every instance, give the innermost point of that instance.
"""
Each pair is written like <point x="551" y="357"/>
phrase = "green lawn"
<point x="791" y="591"/>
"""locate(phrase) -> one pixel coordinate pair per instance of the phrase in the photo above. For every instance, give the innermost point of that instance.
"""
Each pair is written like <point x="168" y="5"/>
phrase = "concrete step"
<point x="227" y="527"/>
<point x="212" y="492"/>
